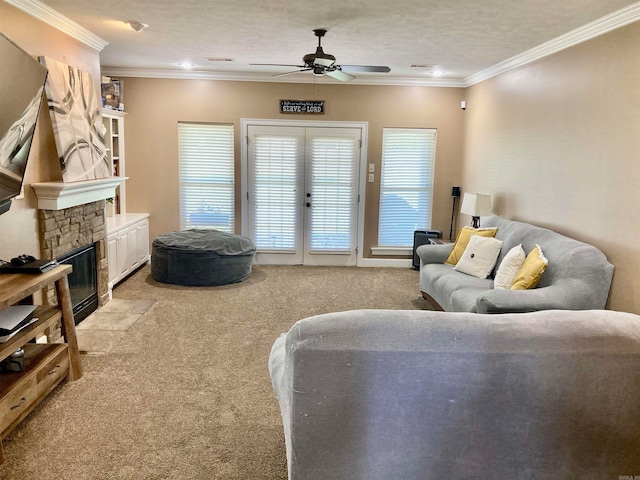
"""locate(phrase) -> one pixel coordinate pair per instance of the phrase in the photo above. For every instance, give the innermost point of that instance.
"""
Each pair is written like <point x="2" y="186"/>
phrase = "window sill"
<point x="391" y="251"/>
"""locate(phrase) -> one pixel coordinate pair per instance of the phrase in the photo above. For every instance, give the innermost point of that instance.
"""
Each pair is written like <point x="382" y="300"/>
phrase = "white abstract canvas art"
<point x="75" y="111"/>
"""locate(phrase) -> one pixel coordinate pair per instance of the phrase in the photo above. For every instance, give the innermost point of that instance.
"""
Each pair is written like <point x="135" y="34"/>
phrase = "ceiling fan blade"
<point x="325" y="62"/>
<point x="365" y="68"/>
<point x="277" y="65"/>
<point x="339" y="75"/>
<point x="291" y="73"/>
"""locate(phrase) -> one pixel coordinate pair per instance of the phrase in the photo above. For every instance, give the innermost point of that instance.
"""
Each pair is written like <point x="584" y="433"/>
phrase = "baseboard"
<point x="385" y="262"/>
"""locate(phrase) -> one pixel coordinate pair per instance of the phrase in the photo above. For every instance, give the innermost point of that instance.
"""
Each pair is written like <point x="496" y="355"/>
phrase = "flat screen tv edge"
<point x="22" y="80"/>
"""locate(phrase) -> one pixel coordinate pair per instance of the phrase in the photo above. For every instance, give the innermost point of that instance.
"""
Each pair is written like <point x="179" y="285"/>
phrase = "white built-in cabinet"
<point x="127" y="244"/>
<point x="127" y="233"/>
<point x="113" y="121"/>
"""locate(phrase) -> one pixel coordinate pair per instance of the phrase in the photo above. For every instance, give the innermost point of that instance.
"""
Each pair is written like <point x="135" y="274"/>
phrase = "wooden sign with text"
<point x="302" y="106"/>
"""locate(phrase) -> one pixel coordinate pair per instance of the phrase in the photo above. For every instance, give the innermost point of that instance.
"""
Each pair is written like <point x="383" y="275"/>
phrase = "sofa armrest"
<point x="434" y="253"/>
<point x="566" y="294"/>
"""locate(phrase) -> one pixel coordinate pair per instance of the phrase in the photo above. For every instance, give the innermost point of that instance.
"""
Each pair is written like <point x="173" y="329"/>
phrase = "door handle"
<point x="308" y="204"/>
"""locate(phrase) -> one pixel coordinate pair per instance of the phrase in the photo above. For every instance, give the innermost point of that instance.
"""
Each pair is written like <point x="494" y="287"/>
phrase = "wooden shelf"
<point x="47" y="316"/>
<point x="114" y="141"/>
<point x="46" y="365"/>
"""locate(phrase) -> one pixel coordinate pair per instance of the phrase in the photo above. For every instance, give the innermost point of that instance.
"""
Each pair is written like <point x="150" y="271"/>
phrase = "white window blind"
<point x="276" y="163"/>
<point x="406" y="188"/>
<point x="206" y="176"/>
<point x="332" y="169"/>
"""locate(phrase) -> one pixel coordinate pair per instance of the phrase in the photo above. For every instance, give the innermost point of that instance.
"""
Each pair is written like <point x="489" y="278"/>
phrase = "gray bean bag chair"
<point x="201" y="258"/>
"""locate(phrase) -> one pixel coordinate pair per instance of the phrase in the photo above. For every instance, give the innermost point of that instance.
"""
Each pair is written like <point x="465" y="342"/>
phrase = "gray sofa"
<point x="420" y="395"/>
<point x="578" y="276"/>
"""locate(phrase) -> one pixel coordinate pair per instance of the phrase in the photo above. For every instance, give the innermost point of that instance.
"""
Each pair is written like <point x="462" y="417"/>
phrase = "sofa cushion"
<point x="509" y="268"/>
<point x="480" y="256"/>
<point x="531" y="271"/>
<point x="463" y="239"/>
<point x="452" y="290"/>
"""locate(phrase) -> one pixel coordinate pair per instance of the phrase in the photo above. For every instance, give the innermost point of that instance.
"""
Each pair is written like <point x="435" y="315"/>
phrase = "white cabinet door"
<point x="112" y="252"/>
<point x="123" y="253"/>
<point x="143" y="240"/>
<point x="133" y="259"/>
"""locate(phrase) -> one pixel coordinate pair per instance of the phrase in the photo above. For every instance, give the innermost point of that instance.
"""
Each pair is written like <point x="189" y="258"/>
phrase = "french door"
<point x="302" y="188"/>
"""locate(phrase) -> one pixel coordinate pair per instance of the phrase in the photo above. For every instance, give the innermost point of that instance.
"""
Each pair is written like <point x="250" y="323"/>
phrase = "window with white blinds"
<point x="206" y="176"/>
<point x="406" y="185"/>
<point x="275" y="190"/>
<point x="332" y="170"/>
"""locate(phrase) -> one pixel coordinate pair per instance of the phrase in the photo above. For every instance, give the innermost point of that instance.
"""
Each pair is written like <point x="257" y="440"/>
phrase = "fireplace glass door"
<point x="83" y="281"/>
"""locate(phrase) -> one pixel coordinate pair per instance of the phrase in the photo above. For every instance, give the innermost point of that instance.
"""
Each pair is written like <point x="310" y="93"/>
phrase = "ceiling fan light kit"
<point x="136" y="25"/>
<point x="320" y="63"/>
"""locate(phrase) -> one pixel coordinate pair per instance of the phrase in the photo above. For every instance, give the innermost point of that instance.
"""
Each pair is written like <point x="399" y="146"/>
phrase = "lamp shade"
<point x="476" y="204"/>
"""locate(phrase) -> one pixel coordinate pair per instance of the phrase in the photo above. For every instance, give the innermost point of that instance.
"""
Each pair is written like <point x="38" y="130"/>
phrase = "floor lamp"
<point x="455" y="193"/>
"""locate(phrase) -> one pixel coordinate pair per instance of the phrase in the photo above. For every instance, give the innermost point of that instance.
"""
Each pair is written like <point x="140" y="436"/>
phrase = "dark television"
<point x="21" y="88"/>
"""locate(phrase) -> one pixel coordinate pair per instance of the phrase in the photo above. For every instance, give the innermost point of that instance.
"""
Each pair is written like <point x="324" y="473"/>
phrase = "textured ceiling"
<point x="460" y="37"/>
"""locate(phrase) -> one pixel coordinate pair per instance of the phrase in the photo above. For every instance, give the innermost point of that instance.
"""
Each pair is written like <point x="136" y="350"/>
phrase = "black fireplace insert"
<point x="83" y="281"/>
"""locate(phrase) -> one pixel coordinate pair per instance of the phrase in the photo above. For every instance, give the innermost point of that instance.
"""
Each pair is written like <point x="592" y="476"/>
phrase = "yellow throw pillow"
<point x="531" y="271"/>
<point x="463" y="239"/>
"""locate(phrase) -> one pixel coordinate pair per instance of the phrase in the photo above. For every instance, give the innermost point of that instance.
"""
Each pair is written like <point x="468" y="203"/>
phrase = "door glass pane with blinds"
<point x="276" y="183"/>
<point x="206" y="176"/>
<point x="333" y="161"/>
<point x="406" y="185"/>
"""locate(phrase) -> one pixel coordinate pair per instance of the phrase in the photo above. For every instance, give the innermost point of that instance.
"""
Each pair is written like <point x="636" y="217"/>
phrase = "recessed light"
<point x="437" y="73"/>
<point x="187" y="65"/>
<point x="136" y="25"/>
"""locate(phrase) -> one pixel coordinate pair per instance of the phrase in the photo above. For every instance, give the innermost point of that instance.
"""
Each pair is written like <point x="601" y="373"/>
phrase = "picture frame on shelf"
<point x="112" y="94"/>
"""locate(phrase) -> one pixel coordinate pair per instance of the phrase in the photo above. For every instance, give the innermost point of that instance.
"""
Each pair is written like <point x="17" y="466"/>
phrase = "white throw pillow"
<point x="509" y="268"/>
<point x="480" y="256"/>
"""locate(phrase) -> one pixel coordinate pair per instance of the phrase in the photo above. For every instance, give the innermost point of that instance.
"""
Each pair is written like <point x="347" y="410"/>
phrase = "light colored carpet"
<point x="184" y="391"/>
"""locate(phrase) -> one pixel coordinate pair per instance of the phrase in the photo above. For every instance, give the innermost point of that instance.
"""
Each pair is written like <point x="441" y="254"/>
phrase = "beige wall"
<point x="155" y="106"/>
<point x="557" y="143"/>
<point x="19" y="226"/>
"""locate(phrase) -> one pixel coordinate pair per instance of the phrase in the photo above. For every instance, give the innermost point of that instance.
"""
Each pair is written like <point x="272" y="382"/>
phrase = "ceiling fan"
<point x="321" y="63"/>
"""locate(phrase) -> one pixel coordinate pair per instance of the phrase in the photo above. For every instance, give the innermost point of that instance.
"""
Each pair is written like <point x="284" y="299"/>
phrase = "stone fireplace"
<point x="63" y="231"/>
<point x="70" y="216"/>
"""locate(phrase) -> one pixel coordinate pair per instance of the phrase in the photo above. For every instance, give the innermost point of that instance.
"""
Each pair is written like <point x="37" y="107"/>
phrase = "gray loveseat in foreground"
<point x="578" y="276"/>
<point x="421" y="395"/>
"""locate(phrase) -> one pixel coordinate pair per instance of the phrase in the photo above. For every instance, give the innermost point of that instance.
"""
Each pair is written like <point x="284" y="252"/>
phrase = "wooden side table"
<point x="45" y="365"/>
<point x="439" y="241"/>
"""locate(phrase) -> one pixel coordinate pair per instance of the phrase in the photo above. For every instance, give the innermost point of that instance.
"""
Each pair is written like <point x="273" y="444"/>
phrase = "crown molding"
<point x="612" y="21"/>
<point x="48" y="15"/>
<point x="119" y="72"/>
<point x="617" y="19"/>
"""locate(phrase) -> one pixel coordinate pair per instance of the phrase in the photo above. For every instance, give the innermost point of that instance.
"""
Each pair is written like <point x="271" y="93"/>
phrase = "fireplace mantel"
<point x="61" y="195"/>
